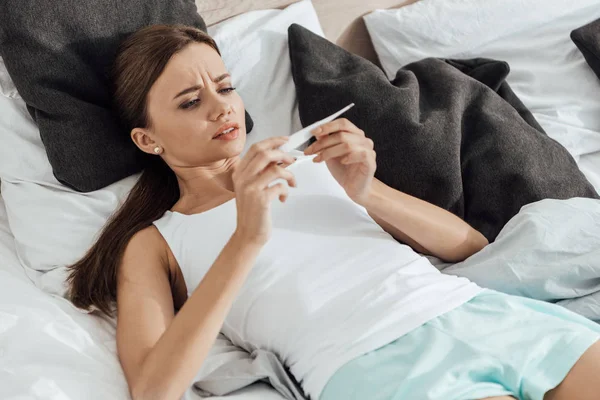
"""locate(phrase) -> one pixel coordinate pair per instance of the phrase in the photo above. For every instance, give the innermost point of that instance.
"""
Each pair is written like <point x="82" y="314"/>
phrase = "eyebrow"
<point x="196" y="87"/>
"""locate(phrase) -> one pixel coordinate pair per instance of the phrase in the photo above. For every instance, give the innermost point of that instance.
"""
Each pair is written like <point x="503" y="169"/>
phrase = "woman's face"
<point x="190" y="105"/>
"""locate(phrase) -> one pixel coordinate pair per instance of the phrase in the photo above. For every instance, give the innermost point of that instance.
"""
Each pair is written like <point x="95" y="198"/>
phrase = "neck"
<point x="203" y="183"/>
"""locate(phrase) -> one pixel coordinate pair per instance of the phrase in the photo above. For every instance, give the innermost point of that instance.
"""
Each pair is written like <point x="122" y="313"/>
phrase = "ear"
<point x="145" y="141"/>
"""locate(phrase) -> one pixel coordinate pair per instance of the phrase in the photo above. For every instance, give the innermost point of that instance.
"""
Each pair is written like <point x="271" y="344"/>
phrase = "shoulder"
<point x="147" y="240"/>
<point x="149" y="233"/>
<point x="148" y="256"/>
<point x="148" y="247"/>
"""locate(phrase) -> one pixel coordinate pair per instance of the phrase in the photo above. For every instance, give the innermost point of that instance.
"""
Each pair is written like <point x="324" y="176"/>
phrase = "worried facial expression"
<point x="196" y="116"/>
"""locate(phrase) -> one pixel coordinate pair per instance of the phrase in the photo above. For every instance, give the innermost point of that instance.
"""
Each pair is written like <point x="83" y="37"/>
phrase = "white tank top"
<point x="329" y="286"/>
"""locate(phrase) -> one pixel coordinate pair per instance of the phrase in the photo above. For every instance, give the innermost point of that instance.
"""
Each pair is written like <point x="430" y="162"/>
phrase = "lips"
<point x="225" y="129"/>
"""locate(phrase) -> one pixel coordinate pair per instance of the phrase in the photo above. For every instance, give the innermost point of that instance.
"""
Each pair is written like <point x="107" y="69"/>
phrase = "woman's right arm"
<point x="162" y="352"/>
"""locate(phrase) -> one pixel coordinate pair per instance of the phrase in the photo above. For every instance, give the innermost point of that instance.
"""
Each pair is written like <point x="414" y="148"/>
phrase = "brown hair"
<point x="141" y="58"/>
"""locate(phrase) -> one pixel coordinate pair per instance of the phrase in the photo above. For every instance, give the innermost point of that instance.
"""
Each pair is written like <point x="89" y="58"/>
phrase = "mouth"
<point x="227" y="131"/>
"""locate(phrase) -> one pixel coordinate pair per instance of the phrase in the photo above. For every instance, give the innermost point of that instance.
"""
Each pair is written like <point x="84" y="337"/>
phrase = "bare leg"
<point x="582" y="382"/>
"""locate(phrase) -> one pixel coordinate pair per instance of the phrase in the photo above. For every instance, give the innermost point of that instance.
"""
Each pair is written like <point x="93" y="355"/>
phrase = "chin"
<point x="232" y="146"/>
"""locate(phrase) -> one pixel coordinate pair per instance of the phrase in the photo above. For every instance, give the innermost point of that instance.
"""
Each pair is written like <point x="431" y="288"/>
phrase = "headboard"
<point x="341" y="19"/>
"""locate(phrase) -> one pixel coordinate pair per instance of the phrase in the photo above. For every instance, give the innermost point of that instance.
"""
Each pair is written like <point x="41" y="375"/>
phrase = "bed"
<point x="51" y="350"/>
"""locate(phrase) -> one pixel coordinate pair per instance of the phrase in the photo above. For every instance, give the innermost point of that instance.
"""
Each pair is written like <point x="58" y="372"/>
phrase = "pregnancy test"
<point x="303" y="135"/>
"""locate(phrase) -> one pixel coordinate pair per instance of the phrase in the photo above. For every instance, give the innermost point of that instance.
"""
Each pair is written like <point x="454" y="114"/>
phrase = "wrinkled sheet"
<point x="549" y="251"/>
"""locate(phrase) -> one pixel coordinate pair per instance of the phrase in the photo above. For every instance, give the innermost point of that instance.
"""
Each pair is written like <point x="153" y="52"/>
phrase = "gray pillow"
<point x="450" y="132"/>
<point x="587" y="39"/>
<point x="58" y="54"/>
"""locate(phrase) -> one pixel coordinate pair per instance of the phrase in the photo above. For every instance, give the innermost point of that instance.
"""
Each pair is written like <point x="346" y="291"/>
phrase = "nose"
<point x="220" y="109"/>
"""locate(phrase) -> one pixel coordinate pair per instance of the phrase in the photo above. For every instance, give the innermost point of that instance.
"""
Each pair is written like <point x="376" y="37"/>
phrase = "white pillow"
<point x="548" y="72"/>
<point x="54" y="225"/>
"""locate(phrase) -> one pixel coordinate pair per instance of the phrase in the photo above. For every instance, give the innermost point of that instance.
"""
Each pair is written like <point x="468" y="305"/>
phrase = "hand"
<point x="251" y="179"/>
<point x="349" y="156"/>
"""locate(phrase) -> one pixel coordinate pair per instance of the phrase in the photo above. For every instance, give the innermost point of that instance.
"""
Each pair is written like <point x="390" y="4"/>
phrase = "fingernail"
<point x="317" y="130"/>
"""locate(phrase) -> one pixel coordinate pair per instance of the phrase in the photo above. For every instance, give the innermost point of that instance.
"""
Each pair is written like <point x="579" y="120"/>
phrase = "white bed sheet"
<point x="589" y="164"/>
<point x="50" y="350"/>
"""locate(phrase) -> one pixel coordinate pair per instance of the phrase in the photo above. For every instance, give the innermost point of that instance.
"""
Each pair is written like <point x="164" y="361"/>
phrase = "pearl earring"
<point x="157" y="150"/>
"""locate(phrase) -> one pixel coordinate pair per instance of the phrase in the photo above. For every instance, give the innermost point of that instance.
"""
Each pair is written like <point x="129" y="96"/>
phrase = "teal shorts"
<point x="493" y="345"/>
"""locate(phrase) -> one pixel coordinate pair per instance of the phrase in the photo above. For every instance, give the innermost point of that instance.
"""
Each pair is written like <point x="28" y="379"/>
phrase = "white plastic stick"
<point x="303" y="135"/>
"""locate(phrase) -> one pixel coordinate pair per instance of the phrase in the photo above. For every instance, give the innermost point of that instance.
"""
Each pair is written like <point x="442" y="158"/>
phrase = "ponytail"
<point x="93" y="279"/>
<point x="140" y="60"/>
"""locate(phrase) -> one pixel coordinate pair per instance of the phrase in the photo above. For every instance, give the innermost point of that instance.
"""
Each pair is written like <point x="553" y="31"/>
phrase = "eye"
<point x="227" y="90"/>
<point x="189" y="104"/>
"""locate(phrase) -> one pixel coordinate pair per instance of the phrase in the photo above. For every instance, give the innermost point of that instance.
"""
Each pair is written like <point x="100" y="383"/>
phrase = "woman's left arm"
<point x="425" y="227"/>
<point x="428" y="229"/>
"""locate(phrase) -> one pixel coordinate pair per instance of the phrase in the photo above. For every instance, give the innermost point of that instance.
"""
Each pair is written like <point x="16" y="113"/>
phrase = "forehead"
<point x="189" y="64"/>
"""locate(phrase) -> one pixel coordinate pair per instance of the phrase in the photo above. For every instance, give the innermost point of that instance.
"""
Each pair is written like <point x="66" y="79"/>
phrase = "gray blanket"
<point x="247" y="369"/>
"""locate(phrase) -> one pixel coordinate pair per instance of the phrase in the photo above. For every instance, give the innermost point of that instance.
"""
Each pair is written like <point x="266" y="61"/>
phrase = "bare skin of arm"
<point x="425" y="227"/>
<point x="161" y="351"/>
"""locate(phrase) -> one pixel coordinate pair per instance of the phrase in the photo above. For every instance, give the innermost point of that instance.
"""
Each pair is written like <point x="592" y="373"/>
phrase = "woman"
<point x="201" y="246"/>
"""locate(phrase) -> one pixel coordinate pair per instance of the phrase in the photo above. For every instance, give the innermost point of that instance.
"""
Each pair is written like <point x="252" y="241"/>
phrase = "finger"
<point x="365" y="155"/>
<point x="266" y="157"/>
<point x="272" y="173"/>
<point x="279" y="190"/>
<point x="256" y="148"/>
<point x="339" y="150"/>
<point x="285" y="164"/>
<point x="332" y="140"/>
<point x="341" y="124"/>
